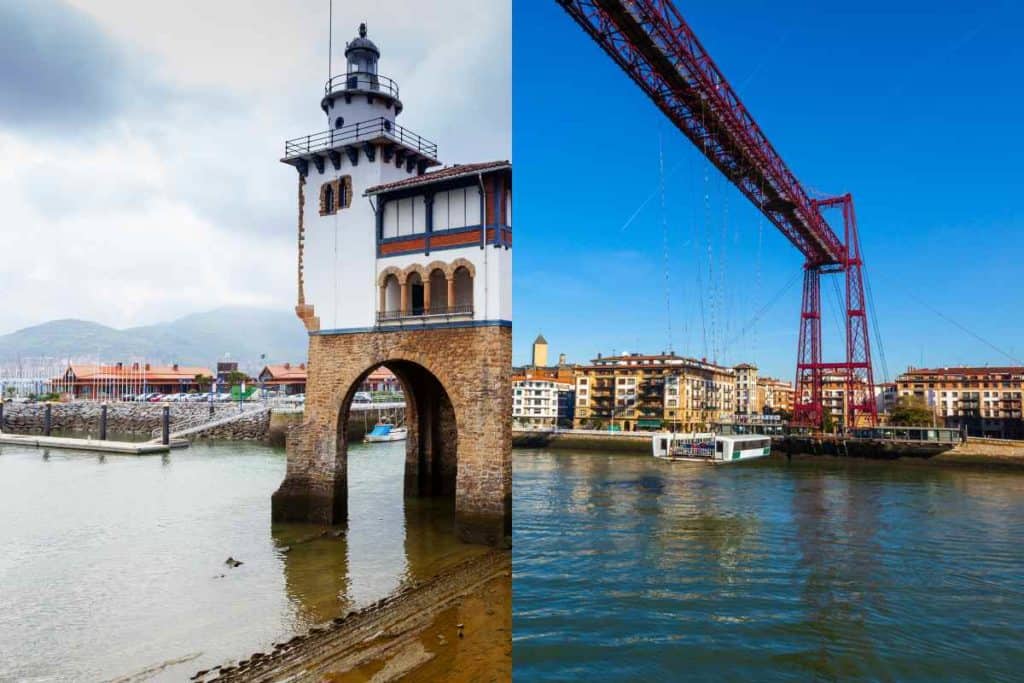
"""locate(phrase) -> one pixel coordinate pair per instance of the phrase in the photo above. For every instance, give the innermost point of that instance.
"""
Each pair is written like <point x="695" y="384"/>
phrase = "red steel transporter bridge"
<point x="652" y="43"/>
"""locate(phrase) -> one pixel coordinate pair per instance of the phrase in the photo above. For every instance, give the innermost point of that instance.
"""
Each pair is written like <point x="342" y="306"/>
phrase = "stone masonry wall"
<point x="472" y="365"/>
<point x="132" y="419"/>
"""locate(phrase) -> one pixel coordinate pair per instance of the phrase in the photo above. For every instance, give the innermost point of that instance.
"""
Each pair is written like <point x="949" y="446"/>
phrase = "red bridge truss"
<point x="652" y="43"/>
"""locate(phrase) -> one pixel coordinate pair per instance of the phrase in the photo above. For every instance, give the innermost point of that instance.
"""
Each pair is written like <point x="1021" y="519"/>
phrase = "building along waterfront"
<point x="986" y="401"/>
<point x="634" y="391"/>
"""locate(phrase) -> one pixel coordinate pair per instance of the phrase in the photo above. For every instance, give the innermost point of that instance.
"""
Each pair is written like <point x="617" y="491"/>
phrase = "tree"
<point x="203" y="381"/>
<point x="911" y="411"/>
<point x="235" y="378"/>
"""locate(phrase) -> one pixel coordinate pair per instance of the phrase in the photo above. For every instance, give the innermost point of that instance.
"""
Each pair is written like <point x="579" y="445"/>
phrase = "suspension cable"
<point x="664" y="237"/>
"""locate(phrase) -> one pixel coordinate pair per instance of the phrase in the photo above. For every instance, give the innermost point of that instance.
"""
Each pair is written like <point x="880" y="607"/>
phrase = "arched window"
<point x="463" y="290"/>
<point x="327" y="205"/>
<point x="416" y="294"/>
<point x="391" y="298"/>
<point x="438" y="291"/>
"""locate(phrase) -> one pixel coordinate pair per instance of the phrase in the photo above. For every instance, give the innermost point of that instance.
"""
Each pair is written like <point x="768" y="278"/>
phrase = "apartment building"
<point x="747" y="402"/>
<point x="631" y="392"/>
<point x="542" y="401"/>
<point x="984" y="400"/>
<point x="774" y="395"/>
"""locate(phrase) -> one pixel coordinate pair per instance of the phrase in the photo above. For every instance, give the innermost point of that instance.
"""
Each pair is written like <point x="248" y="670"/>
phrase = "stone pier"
<point x="457" y="383"/>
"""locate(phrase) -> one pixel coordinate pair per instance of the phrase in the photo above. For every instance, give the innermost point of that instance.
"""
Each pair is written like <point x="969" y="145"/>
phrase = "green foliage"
<point x="235" y="377"/>
<point x="911" y="411"/>
<point x="204" y="381"/>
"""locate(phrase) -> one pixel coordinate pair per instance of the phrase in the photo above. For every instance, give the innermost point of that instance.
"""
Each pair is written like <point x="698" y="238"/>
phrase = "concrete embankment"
<point x="975" y="451"/>
<point x="619" y="442"/>
<point x="133" y="419"/>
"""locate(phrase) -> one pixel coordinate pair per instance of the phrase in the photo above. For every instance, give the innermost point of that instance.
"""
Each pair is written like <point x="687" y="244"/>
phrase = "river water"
<point x="627" y="568"/>
<point x="114" y="566"/>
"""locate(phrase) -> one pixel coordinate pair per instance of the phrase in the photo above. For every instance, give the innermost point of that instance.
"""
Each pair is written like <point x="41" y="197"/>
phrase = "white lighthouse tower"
<point x="408" y="269"/>
<point x="374" y="224"/>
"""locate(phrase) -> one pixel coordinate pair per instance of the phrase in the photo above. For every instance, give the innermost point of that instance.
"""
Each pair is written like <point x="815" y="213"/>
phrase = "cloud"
<point x="60" y="73"/>
<point x="141" y="140"/>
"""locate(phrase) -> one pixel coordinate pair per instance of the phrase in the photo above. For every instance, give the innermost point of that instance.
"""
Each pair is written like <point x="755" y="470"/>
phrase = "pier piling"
<point x="165" y="424"/>
<point x="47" y="419"/>
<point x="103" y="422"/>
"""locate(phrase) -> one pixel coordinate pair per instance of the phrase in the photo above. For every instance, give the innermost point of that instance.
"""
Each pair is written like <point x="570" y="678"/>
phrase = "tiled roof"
<point x="1003" y="370"/>
<point x="152" y="373"/>
<point x="285" y="372"/>
<point x="446" y="173"/>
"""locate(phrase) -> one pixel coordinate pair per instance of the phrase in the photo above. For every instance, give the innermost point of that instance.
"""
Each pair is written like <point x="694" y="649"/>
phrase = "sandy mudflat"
<point x="413" y="635"/>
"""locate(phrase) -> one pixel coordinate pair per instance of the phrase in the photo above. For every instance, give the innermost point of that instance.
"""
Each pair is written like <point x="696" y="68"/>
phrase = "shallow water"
<point x="114" y="565"/>
<point x="626" y="568"/>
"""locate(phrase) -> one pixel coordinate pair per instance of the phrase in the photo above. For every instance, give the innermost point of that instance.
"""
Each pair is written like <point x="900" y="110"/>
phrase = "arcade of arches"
<point x="456" y="381"/>
<point x="436" y="289"/>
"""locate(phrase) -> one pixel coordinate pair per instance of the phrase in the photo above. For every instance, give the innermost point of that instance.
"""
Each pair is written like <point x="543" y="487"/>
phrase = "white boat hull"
<point x="710" y="448"/>
<point x="398" y="434"/>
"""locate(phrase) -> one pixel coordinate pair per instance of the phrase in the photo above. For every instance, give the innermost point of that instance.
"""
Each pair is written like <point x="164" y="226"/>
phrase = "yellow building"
<point x="633" y="392"/>
<point x="747" y="398"/>
<point x="774" y="395"/>
<point x="540" y="352"/>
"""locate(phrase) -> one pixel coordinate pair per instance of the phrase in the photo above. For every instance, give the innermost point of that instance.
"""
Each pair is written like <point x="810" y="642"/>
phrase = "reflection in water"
<point x="627" y="568"/>
<point x="130" y="550"/>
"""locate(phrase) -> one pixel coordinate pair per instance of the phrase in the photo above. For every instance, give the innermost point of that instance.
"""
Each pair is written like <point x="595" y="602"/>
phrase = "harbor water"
<point x="628" y="568"/>
<point x="114" y="566"/>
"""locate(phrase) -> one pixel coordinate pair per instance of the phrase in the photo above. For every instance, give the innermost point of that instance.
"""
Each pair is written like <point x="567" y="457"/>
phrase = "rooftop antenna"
<point x="330" y="38"/>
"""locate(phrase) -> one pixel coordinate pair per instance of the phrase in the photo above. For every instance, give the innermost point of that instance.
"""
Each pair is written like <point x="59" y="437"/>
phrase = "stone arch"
<point x="461" y="263"/>
<point x="437" y="265"/>
<point x="471" y="365"/>
<point x="414" y="268"/>
<point x="390" y="270"/>
<point x="431" y="458"/>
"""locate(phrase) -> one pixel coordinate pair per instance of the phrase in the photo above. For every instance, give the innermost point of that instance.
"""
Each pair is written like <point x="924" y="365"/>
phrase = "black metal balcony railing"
<point x="462" y="309"/>
<point x="362" y="80"/>
<point x="356" y="132"/>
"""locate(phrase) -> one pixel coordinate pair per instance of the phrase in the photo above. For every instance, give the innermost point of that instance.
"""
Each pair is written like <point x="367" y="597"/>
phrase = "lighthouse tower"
<point x="408" y="268"/>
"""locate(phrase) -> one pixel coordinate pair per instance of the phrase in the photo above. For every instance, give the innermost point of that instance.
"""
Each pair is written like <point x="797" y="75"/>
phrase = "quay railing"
<point x="360" y="131"/>
<point x="362" y="80"/>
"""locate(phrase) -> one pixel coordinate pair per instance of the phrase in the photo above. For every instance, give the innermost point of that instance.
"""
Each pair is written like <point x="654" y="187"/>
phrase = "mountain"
<point x="198" y="339"/>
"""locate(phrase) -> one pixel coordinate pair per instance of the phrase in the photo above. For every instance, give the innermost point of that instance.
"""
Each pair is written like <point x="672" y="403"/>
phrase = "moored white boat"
<point x="386" y="432"/>
<point x="717" y="449"/>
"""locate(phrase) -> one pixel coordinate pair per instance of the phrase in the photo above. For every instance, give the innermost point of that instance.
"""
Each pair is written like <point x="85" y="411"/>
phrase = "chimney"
<point x="120" y="365"/>
<point x="147" y="366"/>
<point x="135" y="366"/>
<point x="287" y="366"/>
<point x="175" y="367"/>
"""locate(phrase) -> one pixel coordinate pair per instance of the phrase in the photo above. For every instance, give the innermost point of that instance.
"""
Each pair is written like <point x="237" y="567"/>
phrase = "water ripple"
<point x="631" y="569"/>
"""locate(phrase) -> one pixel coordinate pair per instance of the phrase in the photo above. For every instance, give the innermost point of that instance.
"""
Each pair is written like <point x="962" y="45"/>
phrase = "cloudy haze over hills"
<point x="240" y="334"/>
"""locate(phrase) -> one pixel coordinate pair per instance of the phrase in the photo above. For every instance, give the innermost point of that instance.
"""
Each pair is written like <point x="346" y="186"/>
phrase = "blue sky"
<point x="914" y="107"/>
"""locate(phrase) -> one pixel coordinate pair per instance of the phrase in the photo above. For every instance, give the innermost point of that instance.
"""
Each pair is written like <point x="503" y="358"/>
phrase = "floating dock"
<point x="118" y="447"/>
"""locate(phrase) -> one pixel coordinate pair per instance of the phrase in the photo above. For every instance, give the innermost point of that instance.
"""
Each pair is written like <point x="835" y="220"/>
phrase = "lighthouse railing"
<point x="362" y="131"/>
<point x="362" y="80"/>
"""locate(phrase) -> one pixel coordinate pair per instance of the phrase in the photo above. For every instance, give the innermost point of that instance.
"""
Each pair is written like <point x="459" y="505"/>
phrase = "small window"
<point x="339" y="122"/>
<point x="327" y="205"/>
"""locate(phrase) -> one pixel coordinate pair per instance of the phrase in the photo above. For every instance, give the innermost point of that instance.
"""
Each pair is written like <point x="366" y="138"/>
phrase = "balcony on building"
<point x="346" y="140"/>
<point x="423" y="297"/>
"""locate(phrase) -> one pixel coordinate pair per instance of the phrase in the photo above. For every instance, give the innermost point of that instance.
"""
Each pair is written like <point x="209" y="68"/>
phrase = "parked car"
<point x="155" y="398"/>
<point x="363" y="397"/>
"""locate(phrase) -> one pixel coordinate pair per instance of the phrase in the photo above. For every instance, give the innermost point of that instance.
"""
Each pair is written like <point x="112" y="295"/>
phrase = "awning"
<point x="654" y="424"/>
